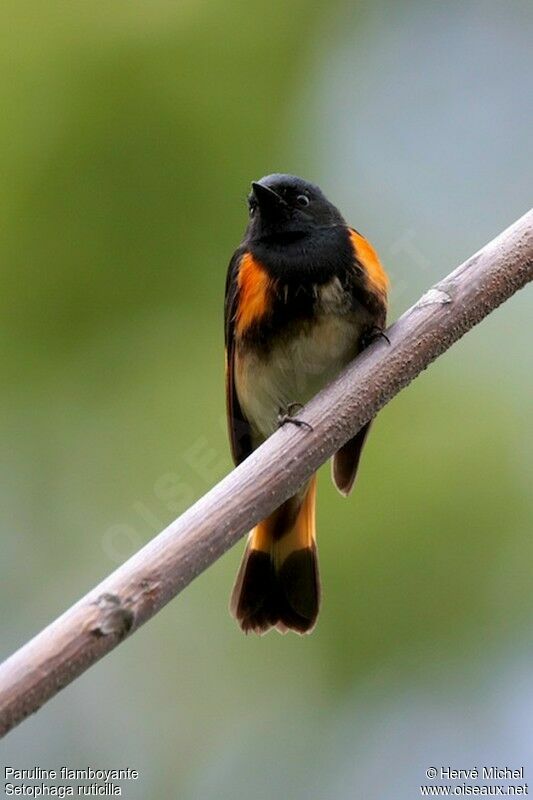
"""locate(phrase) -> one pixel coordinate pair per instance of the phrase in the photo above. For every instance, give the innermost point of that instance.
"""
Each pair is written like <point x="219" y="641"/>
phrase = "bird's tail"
<point x="277" y="585"/>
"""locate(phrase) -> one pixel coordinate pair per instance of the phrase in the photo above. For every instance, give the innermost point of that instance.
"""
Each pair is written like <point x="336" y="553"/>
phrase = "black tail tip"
<point x="285" y="599"/>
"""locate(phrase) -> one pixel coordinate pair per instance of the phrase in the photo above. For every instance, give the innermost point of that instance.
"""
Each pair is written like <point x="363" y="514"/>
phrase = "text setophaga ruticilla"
<point x="304" y="294"/>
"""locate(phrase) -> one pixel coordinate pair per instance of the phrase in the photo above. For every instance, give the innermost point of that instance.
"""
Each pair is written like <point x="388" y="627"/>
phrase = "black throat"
<point x="312" y="257"/>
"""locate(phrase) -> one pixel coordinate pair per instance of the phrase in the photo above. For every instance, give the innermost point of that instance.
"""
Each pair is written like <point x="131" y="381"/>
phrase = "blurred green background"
<point x="128" y="137"/>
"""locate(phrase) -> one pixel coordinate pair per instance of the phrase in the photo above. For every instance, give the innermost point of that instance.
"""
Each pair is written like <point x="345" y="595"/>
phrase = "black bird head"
<point x="287" y="206"/>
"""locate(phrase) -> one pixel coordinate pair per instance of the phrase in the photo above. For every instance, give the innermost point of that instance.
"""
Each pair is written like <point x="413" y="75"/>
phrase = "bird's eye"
<point x="252" y="207"/>
<point x="302" y="200"/>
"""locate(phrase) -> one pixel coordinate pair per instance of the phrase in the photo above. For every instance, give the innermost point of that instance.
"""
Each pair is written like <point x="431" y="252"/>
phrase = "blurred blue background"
<point x="128" y="138"/>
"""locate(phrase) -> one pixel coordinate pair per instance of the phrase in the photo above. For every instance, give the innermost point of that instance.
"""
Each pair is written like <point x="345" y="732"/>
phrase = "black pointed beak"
<point x="268" y="201"/>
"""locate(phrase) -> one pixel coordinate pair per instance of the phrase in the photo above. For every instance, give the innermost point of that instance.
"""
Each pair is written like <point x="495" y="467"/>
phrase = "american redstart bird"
<point x="305" y="293"/>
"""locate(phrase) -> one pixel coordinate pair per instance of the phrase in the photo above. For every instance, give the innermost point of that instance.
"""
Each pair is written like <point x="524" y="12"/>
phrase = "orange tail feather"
<point x="278" y="585"/>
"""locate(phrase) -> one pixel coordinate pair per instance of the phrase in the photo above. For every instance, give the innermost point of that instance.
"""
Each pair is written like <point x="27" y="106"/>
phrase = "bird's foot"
<point x="287" y="416"/>
<point x="373" y="335"/>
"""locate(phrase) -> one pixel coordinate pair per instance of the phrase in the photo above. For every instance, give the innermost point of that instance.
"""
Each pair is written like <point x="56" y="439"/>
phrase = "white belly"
<point x="294" y="370"/>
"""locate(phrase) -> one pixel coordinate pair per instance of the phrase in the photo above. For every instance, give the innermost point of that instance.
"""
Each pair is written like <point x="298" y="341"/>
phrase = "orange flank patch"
<point x="368" y="258"/>
<point x="255" y="286"/>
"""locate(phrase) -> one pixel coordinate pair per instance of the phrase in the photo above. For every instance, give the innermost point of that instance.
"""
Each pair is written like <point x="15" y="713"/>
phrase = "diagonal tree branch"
<point x="147" y="581"/>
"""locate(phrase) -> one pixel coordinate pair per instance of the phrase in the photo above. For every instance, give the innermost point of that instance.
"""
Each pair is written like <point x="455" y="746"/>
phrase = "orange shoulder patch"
<point x="255" y="286"/>
<point x="368" y="258"/>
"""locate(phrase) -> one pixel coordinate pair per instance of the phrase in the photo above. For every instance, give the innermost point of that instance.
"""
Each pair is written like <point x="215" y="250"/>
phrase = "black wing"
<point x="346" y="461"/>
<point x="374" y="298"/>
<point x="238" y="426"/>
